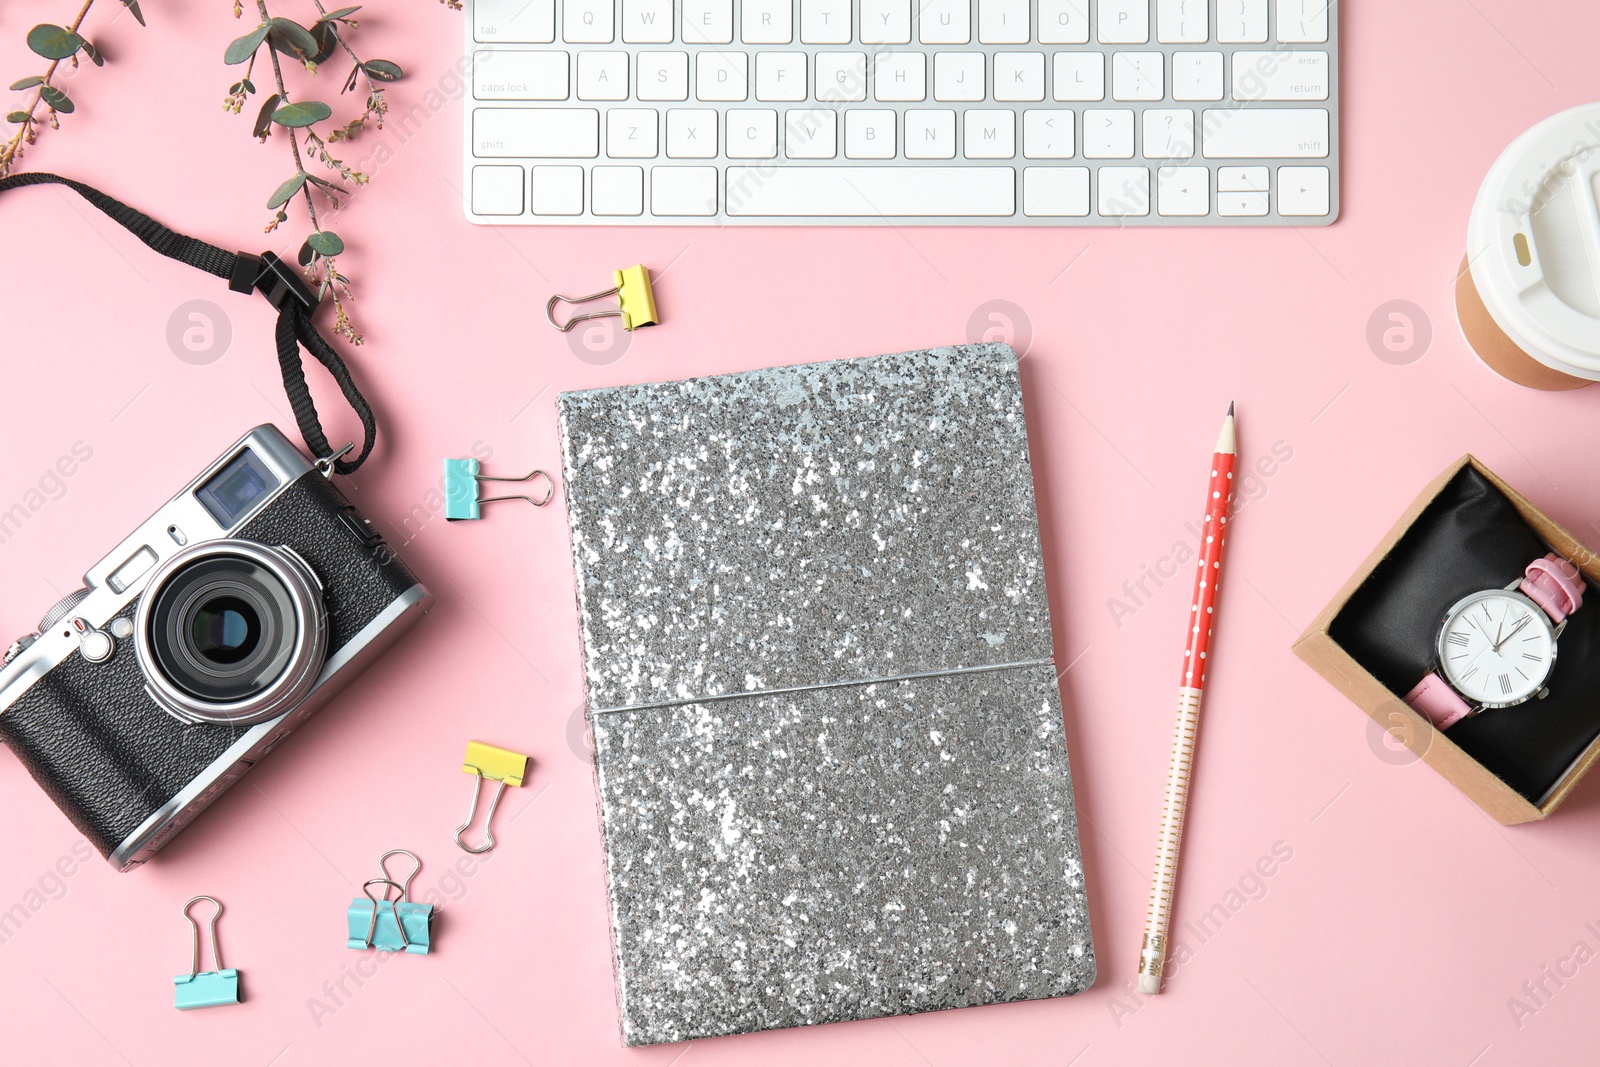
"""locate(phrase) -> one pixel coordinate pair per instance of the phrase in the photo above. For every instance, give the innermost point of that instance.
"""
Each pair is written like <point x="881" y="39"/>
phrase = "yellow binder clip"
<point x="497" y="765"/>
<point x="631" y="287"/>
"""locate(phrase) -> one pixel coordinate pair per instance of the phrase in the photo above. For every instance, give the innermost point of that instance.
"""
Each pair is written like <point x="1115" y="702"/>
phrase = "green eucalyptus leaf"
<point x="382" y="70"/>
<point x="301" y="114"/>
<point x="263" y="124"/>
<point x="342" y="13"/>
<point x="27" y="83"/>
<point x="247" y="85"/>
<point x="133" y="7"/>
<point x="290" y="36"/>
<point x="284" y="192"/>
<point x="326" y="242"/>
<point x="57" y="99"/>
<point x="93" y="53"/>
<point x="327" y="39"/>
<point x="245" y="47"/>
<point x="54" y="42"/>
<point x="18" y="117"/>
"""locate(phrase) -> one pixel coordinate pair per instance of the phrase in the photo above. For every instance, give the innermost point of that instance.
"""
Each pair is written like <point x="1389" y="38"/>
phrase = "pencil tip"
<point x="1230" y="409"/>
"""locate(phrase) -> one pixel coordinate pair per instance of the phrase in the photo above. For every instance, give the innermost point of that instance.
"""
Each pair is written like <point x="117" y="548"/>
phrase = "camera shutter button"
<point x="96" y="646"/>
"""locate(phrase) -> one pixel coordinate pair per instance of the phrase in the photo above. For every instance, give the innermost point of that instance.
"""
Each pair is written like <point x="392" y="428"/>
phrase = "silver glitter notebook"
<point x="828" y="738"/>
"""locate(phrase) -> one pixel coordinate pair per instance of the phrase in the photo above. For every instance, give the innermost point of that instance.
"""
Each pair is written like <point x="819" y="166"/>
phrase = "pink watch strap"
<point x="1555" y="585"/>
<point x="1434" y="700"/>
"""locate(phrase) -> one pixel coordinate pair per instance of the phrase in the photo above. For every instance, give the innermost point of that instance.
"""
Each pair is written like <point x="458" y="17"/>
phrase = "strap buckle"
<point x="273" y="278"/>
<point x="326" y="464"/>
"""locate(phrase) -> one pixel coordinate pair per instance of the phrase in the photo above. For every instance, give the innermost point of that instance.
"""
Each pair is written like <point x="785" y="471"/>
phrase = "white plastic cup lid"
<point x="1533" y="242"/>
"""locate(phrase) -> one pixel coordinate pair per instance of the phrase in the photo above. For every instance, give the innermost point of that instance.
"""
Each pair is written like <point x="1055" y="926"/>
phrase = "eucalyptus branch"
<point x="312" y="47"/>
<point x="58" y="44"/>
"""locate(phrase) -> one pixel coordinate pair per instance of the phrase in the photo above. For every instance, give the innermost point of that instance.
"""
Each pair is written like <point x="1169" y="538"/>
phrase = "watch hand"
<point x="1513" y="632"/>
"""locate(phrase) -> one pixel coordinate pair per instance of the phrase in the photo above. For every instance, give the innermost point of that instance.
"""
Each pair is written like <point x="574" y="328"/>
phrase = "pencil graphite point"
<point x="1227" y="440"/>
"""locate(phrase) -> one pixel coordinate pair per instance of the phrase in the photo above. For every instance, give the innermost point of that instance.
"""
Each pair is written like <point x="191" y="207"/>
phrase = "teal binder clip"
<point x="398" y="925"/>
<point x="461" y="499"/>
<point x="205" y="989"/>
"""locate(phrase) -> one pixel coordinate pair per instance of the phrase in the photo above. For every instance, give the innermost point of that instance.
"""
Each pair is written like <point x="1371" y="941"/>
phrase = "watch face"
<point x="1497" y="648"/>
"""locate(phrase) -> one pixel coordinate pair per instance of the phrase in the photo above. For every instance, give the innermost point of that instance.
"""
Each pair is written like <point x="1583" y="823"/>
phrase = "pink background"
<point x="1398" y="930"/>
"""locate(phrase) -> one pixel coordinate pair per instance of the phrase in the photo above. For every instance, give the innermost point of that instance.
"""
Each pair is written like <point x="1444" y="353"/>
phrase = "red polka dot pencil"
<point x="1191" y="690"/>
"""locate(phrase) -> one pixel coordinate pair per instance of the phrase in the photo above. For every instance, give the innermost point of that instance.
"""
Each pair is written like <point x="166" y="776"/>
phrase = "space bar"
<point x="871" y="191"/>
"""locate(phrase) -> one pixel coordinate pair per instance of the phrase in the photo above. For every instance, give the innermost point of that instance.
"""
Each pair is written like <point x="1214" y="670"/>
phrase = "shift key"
<point x="536" y="132"/>
<point x="1264" y="132"/>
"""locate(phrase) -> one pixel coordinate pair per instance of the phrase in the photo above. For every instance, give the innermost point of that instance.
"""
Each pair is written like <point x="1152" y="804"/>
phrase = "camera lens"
<point x="225" y="629"/>
<point x="231" y="632"/>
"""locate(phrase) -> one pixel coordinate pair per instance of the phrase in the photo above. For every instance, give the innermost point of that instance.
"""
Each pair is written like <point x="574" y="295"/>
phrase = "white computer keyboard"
<point x="903" y="112"/>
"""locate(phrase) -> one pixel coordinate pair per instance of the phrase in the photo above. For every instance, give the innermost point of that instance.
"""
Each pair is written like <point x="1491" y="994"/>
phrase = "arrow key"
<point x="1183" y="191"/>
<point x="1303" y="191"/>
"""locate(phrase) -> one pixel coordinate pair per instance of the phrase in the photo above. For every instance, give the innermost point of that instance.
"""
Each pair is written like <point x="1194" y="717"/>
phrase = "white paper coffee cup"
<point x="1528" y="295"/>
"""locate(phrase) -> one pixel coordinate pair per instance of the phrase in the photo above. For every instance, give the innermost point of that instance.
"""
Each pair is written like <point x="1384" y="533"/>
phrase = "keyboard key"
<point x="691" y="133"/>
<point x="1303" y="191"/>
<point x="752" y="133"/>
<point x="1055" y="191"/>
<point x="1241" y="191"/>
<point x="1064" y="22"/>
<point x="1168" y="133"/>
<point x="991" y="134"/>
<point x="497" y="190"/>
<point x="885" y="21"/>
<point x="1047" y="134"/>
<point x="1080" y="76"/>
<point x="930" y="134"/>
<point x="841" y="76"/>
<point x="588" y="21"/>
<point x="616" y="190"/>
<point x="541" y="133"/>
<point x="900" y="77"/>
<point x="663" y="76"/>
<point x="1123" y="191"/>
<point x="1242" y="21"/>
<point x="869" y="134"/>
<point x="1280" y="75"/>
<point x="825" y="21"/>
<point x="683" y="190"/>
<point x="1241" y="179"/>
<point x="1019" y="76"/>
<point x="518" y="74"/>
<point x="1183" y="191"/>
<point x="958" y="76"/>
<point x="945" y="22"/>
<point x="602" y="75"/>
<point x="1197" y="76"/>
<point x="1303" y="22"/>
<point x="557" y="191"/>
<point x="811" y="133"/>
<point x="647" y="21"/>
<point x="766" y="21"/>
<point x="707" y="21"/>
<point x="514" y="21"/>
<point x="1137" y="76"/>
<point x="1183" y="21"/>
<point x="781" y="76"/>
<point x="1107" y="134"/>
<point x="1003" y="22"/>
<point x="1255" y="133"/>
<point x="797" y="192"/>
<point x="1124" y="21"/>
<point x="631" y="133"/>
<point x="1234" y="205"/>
<point x="721" y="76"/>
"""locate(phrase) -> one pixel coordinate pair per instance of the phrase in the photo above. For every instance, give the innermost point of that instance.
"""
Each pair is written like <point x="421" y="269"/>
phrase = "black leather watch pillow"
<point x="1468" y="539"/>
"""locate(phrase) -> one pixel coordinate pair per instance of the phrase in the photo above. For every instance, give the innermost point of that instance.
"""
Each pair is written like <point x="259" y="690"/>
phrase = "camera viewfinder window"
<point x="237" y="488"/>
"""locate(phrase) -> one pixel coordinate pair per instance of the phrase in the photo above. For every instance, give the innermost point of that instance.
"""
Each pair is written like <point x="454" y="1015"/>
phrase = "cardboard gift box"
<point x="828" y="739"/>
<point x="1467" y="531"/>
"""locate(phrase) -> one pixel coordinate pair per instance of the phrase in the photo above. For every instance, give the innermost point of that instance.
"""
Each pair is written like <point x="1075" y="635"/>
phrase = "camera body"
<point x="198" y="644"/>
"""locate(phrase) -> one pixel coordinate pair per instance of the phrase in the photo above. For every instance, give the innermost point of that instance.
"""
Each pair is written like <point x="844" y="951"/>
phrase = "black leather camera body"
<point x="199" y="643"/>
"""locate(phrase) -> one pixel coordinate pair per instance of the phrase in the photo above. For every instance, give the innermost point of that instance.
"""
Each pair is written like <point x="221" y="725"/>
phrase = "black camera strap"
<point x="267" y="274"/>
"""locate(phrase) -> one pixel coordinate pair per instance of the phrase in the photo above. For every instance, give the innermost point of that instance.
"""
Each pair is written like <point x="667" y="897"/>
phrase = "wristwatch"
<point x="1497" y="648"/>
